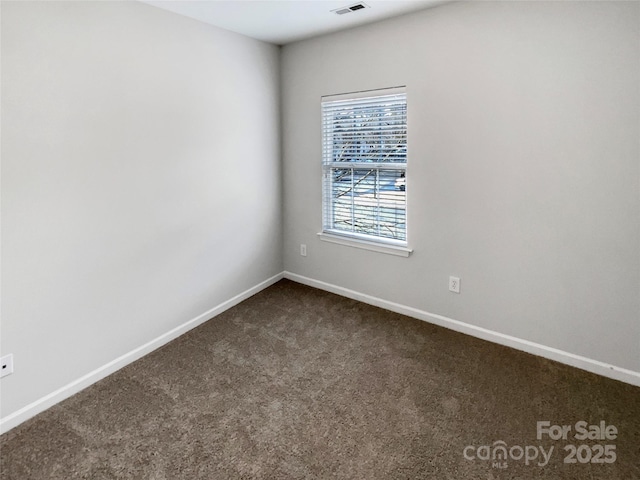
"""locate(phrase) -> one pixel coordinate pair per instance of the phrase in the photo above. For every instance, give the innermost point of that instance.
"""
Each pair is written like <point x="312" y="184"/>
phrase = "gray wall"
<point x="140" y="181"/>
<point x="523" y="174"/>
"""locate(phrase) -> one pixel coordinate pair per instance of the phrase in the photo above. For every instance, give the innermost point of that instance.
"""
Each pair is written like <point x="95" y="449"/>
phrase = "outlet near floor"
<point x="6" y="365"/>
<point x="454" y="284"/>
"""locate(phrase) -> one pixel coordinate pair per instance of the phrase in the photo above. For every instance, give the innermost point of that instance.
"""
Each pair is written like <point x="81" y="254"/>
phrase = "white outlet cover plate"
<point x="6" y="363"/>
<point x="454" y="284"/>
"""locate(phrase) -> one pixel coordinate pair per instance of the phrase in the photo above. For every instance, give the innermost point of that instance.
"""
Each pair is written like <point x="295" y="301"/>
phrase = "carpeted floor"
<point x="299" y="383"/>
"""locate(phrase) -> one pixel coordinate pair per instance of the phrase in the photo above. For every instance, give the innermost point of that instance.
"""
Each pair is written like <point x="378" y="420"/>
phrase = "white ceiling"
<point x="281" y="22"/>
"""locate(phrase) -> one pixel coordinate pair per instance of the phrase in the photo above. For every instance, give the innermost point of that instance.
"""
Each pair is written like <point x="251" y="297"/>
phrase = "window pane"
<point x="369" y="202"/>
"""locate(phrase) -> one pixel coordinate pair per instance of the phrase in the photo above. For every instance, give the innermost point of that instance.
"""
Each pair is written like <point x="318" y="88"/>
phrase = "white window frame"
<point x="331" y="233"/>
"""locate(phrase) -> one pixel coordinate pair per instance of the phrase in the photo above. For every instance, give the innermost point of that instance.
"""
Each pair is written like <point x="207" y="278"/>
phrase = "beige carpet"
<point x="299" y="383"/>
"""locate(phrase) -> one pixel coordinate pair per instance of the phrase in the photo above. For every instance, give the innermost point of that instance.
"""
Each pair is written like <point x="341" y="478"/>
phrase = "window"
<point x="364" y="156"/>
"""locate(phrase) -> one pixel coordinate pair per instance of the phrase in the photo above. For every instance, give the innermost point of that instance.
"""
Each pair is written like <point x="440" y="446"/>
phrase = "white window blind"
<point x="364" y="140"/>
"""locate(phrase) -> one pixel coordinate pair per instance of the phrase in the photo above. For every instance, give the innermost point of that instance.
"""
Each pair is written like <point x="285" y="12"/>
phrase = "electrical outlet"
<point x="303" y="250"/>
<point x="454" y="284"/>
<point x="6" y="365"/>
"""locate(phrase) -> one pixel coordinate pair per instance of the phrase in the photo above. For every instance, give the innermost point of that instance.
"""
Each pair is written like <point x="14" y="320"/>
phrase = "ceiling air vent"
<point x="352" y="8"/>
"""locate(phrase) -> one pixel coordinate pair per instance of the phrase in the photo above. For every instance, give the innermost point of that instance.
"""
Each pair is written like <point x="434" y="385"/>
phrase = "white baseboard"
<point x="25" y="413"/>
<point x="584" y="363"/>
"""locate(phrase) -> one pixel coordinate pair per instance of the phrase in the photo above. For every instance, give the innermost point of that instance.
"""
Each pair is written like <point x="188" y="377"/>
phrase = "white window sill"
<point x="366" y="245"/>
